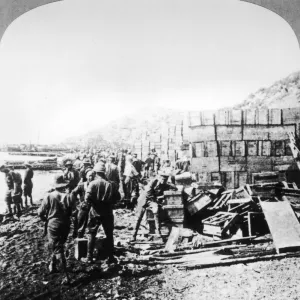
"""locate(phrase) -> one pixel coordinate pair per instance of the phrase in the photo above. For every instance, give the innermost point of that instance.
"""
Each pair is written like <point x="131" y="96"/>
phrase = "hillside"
<point x="282" y="94"/>
<point x="124" y="131"/>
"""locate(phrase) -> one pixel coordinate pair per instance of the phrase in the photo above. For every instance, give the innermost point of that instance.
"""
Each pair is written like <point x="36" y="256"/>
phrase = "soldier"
<point x="27" y="187"/>
<point x="13" y="195"/>
<point x="151" y="199"/>
<point x="71" y="175"/>
<point x="56" y="210"/>
<point x="99" y="207"/>
<point x="81" y="191"/>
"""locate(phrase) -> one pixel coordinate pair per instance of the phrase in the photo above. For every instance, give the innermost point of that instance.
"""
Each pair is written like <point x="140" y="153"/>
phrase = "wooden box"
<point x="198" y="203"/>
<point x="172" y="198"/>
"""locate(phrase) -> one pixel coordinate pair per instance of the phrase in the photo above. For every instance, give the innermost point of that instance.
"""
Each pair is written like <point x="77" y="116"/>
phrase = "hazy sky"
<point x="72" y="66"/>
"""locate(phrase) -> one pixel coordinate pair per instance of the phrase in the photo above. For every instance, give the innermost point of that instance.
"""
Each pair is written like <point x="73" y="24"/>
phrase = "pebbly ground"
<point x="24" y="275"/>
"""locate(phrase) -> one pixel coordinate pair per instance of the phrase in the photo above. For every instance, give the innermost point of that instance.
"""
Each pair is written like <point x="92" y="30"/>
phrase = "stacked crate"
<point x="246" y="142"/>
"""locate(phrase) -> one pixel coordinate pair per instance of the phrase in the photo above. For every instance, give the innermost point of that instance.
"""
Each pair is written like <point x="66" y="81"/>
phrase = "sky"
<point x="73" y="66"/>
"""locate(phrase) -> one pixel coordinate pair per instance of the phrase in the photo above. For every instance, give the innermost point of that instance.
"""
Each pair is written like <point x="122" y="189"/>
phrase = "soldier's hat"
<point x="86" y="161"/>
<point x="99" y="167"/>
<point x="68" y="163"/>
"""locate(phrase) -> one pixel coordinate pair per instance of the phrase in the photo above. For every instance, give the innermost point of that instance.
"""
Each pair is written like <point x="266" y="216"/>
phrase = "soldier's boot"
<point x="31" y="202"/>
<point x="52" y="265"/>
<point x="90" y="247"/>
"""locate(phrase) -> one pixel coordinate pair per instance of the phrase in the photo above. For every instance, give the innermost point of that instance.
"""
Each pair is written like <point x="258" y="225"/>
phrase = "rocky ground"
<point x="24" y="275"/>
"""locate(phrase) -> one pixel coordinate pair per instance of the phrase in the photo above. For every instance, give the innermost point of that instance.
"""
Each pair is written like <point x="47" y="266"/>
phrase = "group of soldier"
<point x="86" y="192"/>
<point x="13" y="196"/>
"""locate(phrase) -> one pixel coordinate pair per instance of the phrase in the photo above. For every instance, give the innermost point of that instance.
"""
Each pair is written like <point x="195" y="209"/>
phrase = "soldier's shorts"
<point x="27" y="190"/>
<point x="57" y="235"/>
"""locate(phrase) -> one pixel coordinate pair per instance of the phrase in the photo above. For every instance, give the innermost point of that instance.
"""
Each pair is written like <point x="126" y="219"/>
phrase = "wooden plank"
<point x="283" y="225"/>
<point x="206" y="264"/>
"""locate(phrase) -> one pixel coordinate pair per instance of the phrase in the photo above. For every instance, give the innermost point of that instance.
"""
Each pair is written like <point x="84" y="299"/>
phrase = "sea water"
<point x="42" y="180"/>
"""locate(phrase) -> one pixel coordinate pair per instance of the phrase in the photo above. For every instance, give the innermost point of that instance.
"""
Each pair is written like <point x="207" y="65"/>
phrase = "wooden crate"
<point x="252" y="148"/>
<point x="219" y="224"/>
<point x="203" y="133"/>
<point x="173" y="212"/>
<point x="211" y="149"/>
<point x="291" y="115"/>
<point x="207" y="117"/>
<point x="225" y="147"/>
<point x="231" y="163"/>
<point x="198" y="203"/>
<point x="275" y="116"/>
<point x="205" y="164"/>
<point x="264" y="148"/>
<point x="229" y="133"/>
<point x="255" y="133"/>
<point x="173" y="198"/>
<point x="238" y="148"/>
<point x="194" y="118"/>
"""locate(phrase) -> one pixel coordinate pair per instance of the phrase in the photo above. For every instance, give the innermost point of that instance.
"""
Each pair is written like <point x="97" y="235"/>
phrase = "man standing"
<point x="131" y="180"/>
<point x="99" y="207"/>
<point x="27" y="188"/>
<point x="137" y="163"/>
<point x="80" y="191"/>
<point x="77" y="163"/>
<point x="12" y="195"/>
<point x="149" y="165"/>
<point x="71" y="175"/>
<point x="113" y="176"/>
<point x="154" y="192"/>
<point x="56" y="209"/>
